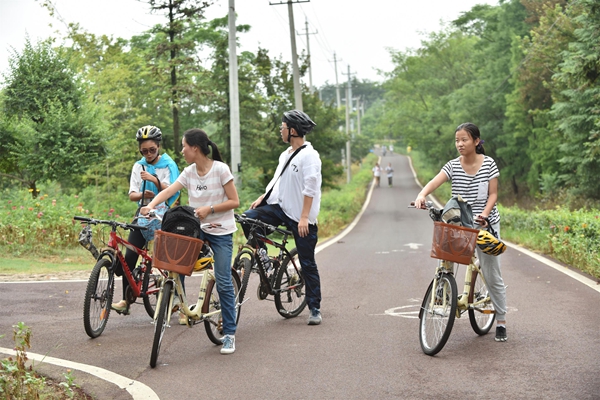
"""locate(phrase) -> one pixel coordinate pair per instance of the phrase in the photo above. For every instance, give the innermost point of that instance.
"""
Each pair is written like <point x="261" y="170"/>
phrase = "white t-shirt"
<point x="136" y="182"/>
<point x="390" y="171"/>
<point x="376" y="170"/>
<point x="301" y="178"/>
<point x="208" y="190"/>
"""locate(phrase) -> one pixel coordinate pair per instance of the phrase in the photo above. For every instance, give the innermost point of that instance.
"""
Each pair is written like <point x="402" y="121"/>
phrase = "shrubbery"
<point x="45" y="225"/>
<point x="572" y="237"/>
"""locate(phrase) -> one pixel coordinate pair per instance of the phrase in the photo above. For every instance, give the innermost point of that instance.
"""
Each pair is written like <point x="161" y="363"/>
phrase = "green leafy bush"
<point x="22" y="382"/>
<point x="572" y="237"/>
<point x="45" y="225"/>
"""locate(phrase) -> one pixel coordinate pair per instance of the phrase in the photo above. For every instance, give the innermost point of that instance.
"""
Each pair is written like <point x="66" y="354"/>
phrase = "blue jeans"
<point x="274" y="215"/>
<point x="222" y="246"/>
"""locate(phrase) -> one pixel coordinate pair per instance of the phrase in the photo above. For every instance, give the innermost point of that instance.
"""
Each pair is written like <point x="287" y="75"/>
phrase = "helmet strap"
<point x="155" y="158"/>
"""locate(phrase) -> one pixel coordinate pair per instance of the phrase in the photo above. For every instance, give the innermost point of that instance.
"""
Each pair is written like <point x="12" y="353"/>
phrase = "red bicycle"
<point x="144" y="281"/>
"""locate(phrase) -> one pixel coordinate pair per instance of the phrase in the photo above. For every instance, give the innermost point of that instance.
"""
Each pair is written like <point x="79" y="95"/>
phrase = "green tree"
<point x="49" y="130"/>
<point x="178" y="48"/>
<point x="578" y="111"/>
<point x="536" y="59"/>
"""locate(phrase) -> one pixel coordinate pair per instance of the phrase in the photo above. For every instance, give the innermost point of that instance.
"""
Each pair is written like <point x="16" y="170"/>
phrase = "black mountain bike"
<point x="283" y="280"/>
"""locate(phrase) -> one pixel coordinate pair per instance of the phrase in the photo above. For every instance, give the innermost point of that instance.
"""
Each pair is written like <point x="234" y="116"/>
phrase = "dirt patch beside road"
<point x="57" y="276"/>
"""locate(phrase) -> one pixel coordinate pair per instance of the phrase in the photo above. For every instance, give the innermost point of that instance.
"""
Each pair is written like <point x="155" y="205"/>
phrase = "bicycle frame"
<point x="463" y="303"/>
<point x="113" y="243"/>
<point x="283" y="251"/>
<point x="113" y="251"/>
<point x="196" y="313"/>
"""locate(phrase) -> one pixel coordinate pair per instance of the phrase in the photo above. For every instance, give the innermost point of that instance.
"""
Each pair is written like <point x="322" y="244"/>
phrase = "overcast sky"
<point x="359" y="32"/>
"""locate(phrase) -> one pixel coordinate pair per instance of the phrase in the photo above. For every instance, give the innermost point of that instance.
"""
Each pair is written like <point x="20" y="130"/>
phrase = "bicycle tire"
<point x="151" y="289"/>
<point x="160" y="324"/>
<point x="437" y="320"/>
<point x="98" y="298"/>
<point x="244" y="272"/>
<point x="243" y="265"/>
<point x="290" y="287"/>
<point x="482" y="318"/>
<point x="214" y="324"/>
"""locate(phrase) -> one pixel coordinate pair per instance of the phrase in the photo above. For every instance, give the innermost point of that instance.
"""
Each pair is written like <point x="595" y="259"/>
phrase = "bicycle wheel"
<point x="290" y="289"/>
<point x="244" y="269"/>
<point x="153" y="280"/>
<point x="482" y="315"/>
<point x="161" y="322"/>
<point x="437" y="314"/>
<point x="98" y="298"/>
<point x="214" y="323"/>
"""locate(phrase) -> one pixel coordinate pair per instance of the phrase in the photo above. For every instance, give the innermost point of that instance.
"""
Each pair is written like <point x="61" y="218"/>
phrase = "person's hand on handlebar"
<point x="481" y="220"/>
<point x="145" y="210"/>
<point x="420" y="201"/>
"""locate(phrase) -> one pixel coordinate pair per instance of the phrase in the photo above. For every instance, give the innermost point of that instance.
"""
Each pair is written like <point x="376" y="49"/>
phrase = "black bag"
<point x="182" y="221"/>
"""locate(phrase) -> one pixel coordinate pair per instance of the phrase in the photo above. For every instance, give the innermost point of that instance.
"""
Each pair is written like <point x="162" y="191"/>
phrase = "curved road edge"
<point x="136" y="389"/>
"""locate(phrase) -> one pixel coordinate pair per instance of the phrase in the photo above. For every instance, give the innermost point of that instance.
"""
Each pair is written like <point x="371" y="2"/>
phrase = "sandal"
<point x="120" y="307"/>
<point x="183" y="319"/>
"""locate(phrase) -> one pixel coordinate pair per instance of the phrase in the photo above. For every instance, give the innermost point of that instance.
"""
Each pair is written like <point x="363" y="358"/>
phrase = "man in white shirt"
<point x="296" y="201"/>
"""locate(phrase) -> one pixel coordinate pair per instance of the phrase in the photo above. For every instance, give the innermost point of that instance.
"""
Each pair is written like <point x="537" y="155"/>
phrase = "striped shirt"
<point x="209" y="190"/>
<point x="474" y="188"/>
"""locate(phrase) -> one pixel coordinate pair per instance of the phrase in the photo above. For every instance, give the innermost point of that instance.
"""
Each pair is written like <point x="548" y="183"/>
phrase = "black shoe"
<point x="501" y="334"/>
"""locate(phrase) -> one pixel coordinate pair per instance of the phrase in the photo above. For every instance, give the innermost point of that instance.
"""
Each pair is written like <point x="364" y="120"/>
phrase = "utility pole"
<point x="310" y="85"/>
<point x="337" y="85"/>
<point x="296" y="71"/>
<point x="348" y="110"/>
<point x="234" y="99"/>
<point x="358" y="114"/>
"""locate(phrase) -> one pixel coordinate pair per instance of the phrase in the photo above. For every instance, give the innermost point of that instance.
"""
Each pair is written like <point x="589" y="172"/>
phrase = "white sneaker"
<point x="228" y="344"/>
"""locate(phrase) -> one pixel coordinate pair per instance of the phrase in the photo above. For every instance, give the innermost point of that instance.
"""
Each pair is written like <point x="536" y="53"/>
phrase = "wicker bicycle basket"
<point x="175" y="253"/>
<point x="453" y="243"/>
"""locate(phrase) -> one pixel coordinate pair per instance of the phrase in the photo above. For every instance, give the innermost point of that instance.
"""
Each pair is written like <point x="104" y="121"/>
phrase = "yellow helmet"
<point x="489" y="243"/>
<point x="148" y="132"/>
<point x="205" y="258"/>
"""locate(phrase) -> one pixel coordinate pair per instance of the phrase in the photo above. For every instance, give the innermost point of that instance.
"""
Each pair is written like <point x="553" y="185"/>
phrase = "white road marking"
<point x="136" y="389"/>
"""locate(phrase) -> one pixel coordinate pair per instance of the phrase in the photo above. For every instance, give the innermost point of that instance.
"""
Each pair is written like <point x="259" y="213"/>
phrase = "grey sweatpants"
<point x="490" y="266"/>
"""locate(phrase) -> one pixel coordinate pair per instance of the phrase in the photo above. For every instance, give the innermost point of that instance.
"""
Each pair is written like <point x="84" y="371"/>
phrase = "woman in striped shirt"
<point x="474" y="176"/>
<point x="213" y="195"/>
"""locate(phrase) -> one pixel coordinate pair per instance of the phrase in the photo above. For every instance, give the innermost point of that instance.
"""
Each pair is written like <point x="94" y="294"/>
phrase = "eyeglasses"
<point x="283" y="127"/>
<point x="151" y="150"/>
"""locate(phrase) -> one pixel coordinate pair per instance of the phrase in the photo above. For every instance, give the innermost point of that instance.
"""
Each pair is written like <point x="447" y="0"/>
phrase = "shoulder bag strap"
<point x="264" y="201"/>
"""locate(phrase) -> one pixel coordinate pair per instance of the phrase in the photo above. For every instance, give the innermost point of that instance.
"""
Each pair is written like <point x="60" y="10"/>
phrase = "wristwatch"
<point x="212" y="209"/>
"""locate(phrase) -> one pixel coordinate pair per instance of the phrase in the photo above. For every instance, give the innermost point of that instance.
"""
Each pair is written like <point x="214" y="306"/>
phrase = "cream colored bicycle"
<point x="179" y="255"/>
<point x="442" y="303"/>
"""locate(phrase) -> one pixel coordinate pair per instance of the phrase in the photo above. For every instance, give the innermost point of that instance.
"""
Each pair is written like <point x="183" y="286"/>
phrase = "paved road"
<point x="367" y="347"/>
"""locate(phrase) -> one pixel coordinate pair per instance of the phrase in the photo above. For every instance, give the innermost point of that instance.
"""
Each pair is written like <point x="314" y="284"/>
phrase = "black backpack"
<point x="182" y="221"/>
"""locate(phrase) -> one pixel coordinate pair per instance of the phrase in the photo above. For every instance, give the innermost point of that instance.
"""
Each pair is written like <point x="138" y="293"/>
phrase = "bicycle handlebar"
<point x="428" y="205"/>
<point x="112" y="223"/>
<point x="241" y="218"/>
